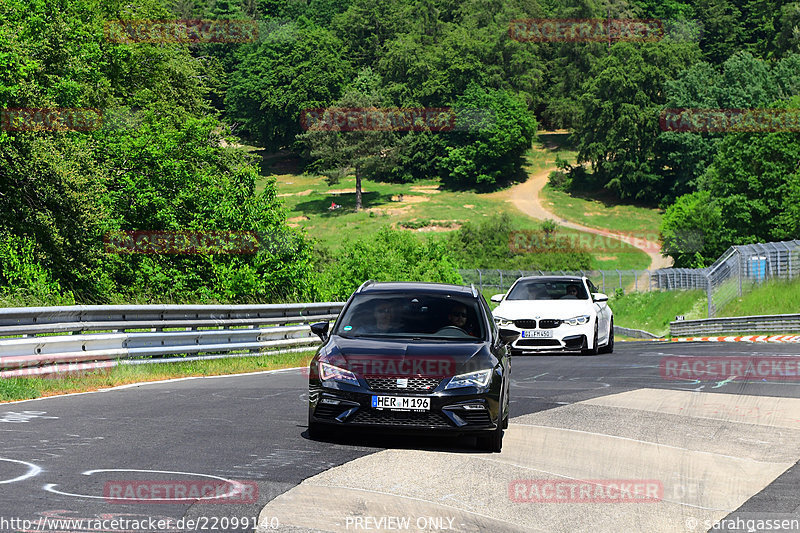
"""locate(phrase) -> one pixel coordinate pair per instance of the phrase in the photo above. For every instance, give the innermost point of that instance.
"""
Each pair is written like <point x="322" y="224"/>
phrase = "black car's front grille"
<point x="475" y="418"/>
<point x="525" y="323"/>
<point x="325" y="410"/>
<point x="400" y="418"/>
<point x="538" y="342"/>
<point x="412" y="384"/>
<point x="549" y="323"/>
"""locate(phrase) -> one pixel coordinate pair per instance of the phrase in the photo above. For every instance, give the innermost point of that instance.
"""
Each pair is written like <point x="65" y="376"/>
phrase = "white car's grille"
<point x="549" y="323"/>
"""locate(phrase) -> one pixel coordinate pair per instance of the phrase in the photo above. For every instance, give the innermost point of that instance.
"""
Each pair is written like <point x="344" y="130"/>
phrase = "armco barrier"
<point x="634" y="333"/>
<point x="171" y="330"/>
<point x="739" y="324"/>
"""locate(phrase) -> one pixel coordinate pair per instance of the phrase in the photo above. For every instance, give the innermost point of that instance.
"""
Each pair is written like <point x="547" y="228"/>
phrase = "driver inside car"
<point x="458" y="317"/>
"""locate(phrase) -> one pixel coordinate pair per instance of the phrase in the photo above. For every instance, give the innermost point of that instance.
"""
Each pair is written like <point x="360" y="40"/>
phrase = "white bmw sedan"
<point x="556" y="313"/>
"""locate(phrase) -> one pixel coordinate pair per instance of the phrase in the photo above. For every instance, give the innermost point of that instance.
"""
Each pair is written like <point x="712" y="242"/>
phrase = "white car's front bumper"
<point x="564" y="338"/>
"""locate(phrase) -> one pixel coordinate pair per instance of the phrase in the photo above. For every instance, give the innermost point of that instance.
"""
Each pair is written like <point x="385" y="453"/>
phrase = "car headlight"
<point x="503" y="322"/>
<point x="335" y="373"/>
<point x="471" y="379"/>
<point x="578" y="320"/>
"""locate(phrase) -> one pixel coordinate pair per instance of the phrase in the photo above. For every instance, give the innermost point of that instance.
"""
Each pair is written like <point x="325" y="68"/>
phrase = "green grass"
<point x="653" y="311"/>
<point x="307" y="199"/>
<point x="771" y="298"/>
<point x="34" y="387"/>
<point x="641" y="222"/>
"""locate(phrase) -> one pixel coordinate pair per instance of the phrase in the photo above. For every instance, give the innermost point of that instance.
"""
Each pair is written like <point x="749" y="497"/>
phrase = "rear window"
<point x="549" y="290"/>
<point x="409" y="315"/>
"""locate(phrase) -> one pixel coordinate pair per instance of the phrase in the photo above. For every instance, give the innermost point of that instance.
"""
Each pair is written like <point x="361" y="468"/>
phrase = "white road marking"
<point x="32" y="471"/>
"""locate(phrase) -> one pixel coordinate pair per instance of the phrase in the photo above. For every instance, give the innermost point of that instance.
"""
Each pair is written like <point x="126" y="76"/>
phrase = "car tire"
<point x="609" y="347"/>
<point x="493" y="442"/>
<point x="315" y="431"/>
<point x="594" y="350"/>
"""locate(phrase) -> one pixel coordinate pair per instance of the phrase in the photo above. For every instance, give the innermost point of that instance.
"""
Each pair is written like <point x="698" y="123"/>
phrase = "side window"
<point x="592" y="287"/>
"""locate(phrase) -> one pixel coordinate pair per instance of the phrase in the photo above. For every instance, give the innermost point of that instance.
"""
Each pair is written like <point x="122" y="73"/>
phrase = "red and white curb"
<point x="745" y="338"/>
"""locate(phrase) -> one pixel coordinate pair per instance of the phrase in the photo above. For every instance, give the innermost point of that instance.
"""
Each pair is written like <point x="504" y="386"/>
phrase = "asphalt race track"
<point x="710" y="450"/>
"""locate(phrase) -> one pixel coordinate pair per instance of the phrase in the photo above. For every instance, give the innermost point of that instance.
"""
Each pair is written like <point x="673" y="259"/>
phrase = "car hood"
<point x="391" y="357"/>
<point x="562" y="309"/>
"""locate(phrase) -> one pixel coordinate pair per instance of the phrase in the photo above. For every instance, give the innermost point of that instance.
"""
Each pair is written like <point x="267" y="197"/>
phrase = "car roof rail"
<point x="474" y="290"/>
<point x="365" y="285"/>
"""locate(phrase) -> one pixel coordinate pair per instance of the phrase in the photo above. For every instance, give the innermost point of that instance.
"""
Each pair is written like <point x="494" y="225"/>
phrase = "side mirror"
<point x="507" y="336"/>
<point x="320" y="329"/>
<point x="599" y="297"/>
<point x="497" y="298"/>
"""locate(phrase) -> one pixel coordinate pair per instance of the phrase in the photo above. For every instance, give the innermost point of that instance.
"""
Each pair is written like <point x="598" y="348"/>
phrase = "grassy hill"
<point x="653" y="311"/>
<point x="770" y="298"/>
<point x="421" y="207"/>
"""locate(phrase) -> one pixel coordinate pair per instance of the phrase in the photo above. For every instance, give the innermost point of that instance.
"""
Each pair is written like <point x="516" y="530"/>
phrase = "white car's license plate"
<point x="401" y="403"/>
<point x="537" y="334"/>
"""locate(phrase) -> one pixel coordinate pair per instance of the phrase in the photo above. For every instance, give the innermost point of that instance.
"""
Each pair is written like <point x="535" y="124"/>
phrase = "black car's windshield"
<point x="412" y="315"/>
<point x="548" y="290"/>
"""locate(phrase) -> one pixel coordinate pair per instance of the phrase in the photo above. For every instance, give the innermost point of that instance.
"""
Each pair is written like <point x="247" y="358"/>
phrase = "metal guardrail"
<point x="739" y="324"/>
<point x="170" y="330"/>
<point x="634" y="333"/>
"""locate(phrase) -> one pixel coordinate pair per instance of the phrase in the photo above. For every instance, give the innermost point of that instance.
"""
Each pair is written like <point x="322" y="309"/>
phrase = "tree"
<point x="299" y="66"/>
<point x="367" y="152"/>
<point x="749" y="194"/>
<point x="620" y="106"/>
<point x="691" y="230"/>
<point x="390" y="255"/>
<point x="493" y="131"/>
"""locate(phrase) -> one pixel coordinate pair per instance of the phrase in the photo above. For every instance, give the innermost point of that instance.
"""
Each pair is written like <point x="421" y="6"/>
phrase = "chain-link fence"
<point x="738" y="270"/>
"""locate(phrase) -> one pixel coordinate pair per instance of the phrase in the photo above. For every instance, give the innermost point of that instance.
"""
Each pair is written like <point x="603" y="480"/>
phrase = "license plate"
<point x="537" y="334"/>
<point x="401" y="403"/>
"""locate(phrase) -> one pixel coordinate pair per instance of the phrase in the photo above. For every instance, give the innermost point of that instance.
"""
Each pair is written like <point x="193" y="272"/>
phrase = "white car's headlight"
<point x="335" y="373"/>
<point x="503" y="322"/>
<point x="578" y="320"/>
<point x="472" y="379"/>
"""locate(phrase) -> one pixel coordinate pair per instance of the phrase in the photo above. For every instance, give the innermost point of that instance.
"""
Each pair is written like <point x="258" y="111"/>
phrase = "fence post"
<point x="709" y="295"/>
<point x="635" y="281"/>
<point x="739" y="269"/>
<point x="502" y="286"/>
<point x="480" y="278"/>
<point x="604" y="280"/>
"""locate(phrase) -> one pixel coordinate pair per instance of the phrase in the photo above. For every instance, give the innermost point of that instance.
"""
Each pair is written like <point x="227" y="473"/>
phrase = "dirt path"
<point x="525" y="197"/>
